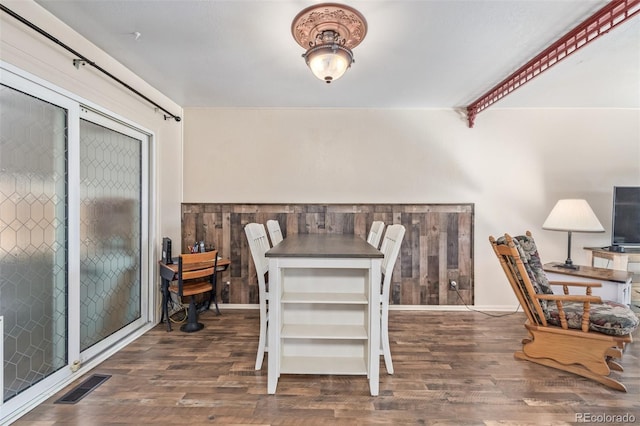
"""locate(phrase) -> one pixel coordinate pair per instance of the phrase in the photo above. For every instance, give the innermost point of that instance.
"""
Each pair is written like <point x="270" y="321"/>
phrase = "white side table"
<point x="616" y="284"/>
<point x="597" y="256"/>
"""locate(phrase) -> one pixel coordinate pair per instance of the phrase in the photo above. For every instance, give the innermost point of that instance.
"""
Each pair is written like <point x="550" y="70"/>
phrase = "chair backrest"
<point x="258" y="245"/>
<point x="513" y="259"/>
<point x="196" y="268"/>
<point x="390" y="249"/>
<point x="375" y="233"/>
<point x="275" y="233"/>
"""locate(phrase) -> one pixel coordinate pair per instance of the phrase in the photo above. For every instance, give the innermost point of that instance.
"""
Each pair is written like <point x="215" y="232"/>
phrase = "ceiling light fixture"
<point x="329" y="31"/>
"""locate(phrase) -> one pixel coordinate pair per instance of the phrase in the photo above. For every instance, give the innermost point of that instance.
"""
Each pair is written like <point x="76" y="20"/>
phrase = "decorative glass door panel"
<point x="110" y="223"/>
<point x="33" y="239"/>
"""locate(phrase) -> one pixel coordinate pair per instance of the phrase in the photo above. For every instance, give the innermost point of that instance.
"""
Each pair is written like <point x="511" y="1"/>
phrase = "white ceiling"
<point x="417" y="53"/>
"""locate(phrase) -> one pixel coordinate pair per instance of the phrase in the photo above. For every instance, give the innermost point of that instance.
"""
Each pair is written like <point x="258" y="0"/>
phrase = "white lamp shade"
<point x="327" y="63"/>
<point x="572" y="215"/>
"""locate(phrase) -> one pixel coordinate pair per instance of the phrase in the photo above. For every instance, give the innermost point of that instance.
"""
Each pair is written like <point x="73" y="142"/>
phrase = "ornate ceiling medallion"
<point x="329" y="31"/>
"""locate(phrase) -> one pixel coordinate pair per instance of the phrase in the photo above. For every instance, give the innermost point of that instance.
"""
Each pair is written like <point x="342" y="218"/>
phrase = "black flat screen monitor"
<point x="626" y="216"/>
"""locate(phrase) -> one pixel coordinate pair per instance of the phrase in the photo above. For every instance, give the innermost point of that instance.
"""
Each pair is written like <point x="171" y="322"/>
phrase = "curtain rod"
<point x="84" y="59"/>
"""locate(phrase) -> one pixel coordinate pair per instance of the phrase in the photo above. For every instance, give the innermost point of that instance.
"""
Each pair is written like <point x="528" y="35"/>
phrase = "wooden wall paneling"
<point x="450" y="270"/>
<point x="436" y="249"/>
<point x="225" y="282"/>
<point x="336" y="222"/>
<point x="443" y="268"/>
<point x="188" y="229"/>
<point x="465" y="258"/>
<point x="290" y="224"/>
<point x="409" y="288"/>
<point x="242" y="269"/>
<point x="424" y="262"/>
<point x="318" y="220"/>
<point x="433" y="250"/>
<point x="406" y="258"/>
<point x="360" y="221"/>
<point x="413" y="246"/>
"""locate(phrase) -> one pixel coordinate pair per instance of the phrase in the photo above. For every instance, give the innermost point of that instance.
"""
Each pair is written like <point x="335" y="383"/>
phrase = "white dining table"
<point x="324" y="307"/>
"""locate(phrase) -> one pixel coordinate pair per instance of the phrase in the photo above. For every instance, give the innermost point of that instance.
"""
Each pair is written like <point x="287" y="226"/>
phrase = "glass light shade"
<point x="328" y="62"/>
<point x="572" y="215"/>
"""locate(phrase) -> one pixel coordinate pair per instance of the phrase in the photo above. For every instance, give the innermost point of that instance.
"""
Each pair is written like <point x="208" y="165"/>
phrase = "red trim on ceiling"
<point x="600" y="23"/>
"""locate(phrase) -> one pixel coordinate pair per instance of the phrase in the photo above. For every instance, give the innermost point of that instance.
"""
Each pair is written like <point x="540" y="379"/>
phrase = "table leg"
<point x="213" y="295"/>
<point x="165" y="302"/>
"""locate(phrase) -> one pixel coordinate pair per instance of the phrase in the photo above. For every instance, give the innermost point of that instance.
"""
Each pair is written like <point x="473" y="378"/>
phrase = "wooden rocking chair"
<point x="580" y="334"/>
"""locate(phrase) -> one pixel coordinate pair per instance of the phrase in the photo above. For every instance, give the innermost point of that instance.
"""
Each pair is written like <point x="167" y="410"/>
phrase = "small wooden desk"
<point x="324" y="307"/>
<point x="616" y="285"/>
<point x="169" y="272"/>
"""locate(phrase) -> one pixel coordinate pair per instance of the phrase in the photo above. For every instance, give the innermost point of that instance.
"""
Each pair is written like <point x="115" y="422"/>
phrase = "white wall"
<point x="22" y="47"/>
<point x="513" y="165"/>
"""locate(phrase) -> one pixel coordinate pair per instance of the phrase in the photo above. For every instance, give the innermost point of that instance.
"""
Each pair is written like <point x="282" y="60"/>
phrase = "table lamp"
<point x="572" y="216"/>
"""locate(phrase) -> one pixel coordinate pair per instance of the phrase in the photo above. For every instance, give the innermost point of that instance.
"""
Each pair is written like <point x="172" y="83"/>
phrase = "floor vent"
<point x="83" y="389"/>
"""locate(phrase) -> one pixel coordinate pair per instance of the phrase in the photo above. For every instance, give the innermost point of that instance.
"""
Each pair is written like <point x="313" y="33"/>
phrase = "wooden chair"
<point x="375" y="233"/>
<point x="196" y="275"/>
<point x="275" y="233"/>
<point x="390" y="248"/>
<point x="258" y="245"/>
<point x="578" y="333"/>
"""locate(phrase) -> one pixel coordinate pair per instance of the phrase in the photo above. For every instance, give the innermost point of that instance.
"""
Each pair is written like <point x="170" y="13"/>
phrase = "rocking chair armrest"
<point x="588" y="286"/>
<point x="576" y="284"/>
<point x="570" y="298"/>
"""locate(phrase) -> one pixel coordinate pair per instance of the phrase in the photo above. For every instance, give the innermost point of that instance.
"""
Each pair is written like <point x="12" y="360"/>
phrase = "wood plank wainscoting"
<point x="437" y="247"/>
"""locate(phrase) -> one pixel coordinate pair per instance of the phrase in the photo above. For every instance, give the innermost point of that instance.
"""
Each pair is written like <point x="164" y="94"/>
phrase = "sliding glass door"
<point x="74" y="240"/>
<point x="33" y="239"/>
<point x="112" y="297"/>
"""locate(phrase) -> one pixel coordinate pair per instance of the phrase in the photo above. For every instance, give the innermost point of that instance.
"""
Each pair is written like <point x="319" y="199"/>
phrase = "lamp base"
<point x="567" y="266"/>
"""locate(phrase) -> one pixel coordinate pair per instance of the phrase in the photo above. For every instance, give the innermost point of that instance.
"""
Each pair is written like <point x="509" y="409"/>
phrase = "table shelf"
<point x="323" y="365"/>
<point x="325" y="331"/>
<point x="315" y="297"/>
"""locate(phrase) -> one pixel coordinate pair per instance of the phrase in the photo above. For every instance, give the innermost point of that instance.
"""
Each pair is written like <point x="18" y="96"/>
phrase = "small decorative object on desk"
<point x="198" y="247"/>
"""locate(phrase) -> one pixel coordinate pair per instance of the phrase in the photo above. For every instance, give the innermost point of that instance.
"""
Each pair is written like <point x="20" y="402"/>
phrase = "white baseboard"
<point x="452" y="308"/>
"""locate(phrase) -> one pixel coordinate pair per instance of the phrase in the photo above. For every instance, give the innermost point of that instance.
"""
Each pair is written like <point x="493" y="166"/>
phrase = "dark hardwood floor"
<point x="451" y="368"/>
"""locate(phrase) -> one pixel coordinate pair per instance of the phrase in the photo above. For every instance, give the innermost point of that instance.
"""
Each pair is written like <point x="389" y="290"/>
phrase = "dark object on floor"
<point x="83" y="389"/>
